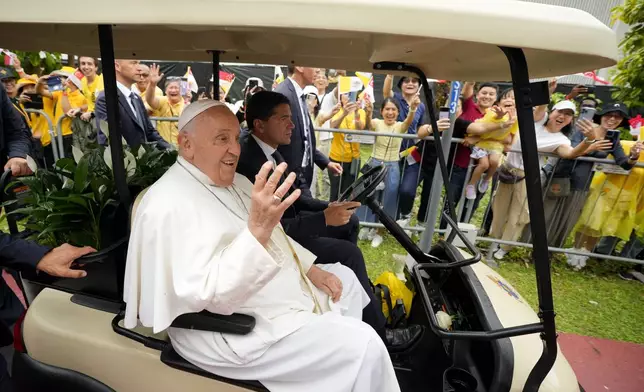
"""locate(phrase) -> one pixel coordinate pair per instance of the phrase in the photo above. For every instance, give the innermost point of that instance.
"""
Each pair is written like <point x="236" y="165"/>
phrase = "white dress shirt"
<point x="127" y="92"/>
<point x="308" y="153"/>
<point x="268" y="150"/>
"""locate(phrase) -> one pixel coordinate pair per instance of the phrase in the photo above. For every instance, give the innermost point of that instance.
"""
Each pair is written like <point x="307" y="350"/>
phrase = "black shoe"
<point x="402" y="339"/>
<point x="626" y="275"/>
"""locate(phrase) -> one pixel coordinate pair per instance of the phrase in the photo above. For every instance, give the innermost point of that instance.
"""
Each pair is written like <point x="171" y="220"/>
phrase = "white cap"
<point x="309" y="90"/>
<point x="196" y="108"/>
<point x="563" y="105"/>
<point x="74" y="79"/>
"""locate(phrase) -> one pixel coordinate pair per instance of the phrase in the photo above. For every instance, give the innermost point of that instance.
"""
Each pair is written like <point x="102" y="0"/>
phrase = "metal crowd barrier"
<point x="50" y="129"/>
<point x="465" y="207"/>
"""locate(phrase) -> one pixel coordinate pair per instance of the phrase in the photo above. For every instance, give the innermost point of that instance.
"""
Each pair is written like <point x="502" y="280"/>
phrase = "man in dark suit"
<point x="301" y="153"/>
<point x="314" y="224"/>
<point x="135" y="127"/>
<point x="19" y="254"/>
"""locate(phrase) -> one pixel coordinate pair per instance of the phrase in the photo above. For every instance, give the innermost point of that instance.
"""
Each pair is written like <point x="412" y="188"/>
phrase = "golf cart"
<point x="72" y="337"/>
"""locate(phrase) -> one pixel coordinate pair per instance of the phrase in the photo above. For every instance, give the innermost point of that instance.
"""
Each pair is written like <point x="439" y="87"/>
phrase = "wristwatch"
<point x="589" y="141"/>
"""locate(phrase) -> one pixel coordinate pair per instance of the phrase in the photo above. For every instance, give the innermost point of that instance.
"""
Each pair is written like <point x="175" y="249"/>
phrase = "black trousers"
<point x="332" y="250"/>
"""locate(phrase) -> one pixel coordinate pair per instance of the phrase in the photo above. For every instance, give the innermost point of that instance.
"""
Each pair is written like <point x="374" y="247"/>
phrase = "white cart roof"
<point x="447" y="39"/>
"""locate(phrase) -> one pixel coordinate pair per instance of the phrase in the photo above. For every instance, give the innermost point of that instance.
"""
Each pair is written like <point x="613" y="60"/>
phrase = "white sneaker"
<point x="581" y="262"/>
<point x="404" y="223"/>
<point x="572" y="259"/>
<point x="377" y="240"/>
<point x="500" y="254"/>
<point x="372" y="233"/>
<point x="364" y="233"/>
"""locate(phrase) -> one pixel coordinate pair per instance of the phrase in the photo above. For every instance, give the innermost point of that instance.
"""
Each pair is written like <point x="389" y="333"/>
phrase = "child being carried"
<point x="490" y="146"/>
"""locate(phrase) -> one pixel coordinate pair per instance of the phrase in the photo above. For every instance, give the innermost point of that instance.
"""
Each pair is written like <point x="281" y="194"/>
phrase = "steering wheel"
<point x="364" y="186"/>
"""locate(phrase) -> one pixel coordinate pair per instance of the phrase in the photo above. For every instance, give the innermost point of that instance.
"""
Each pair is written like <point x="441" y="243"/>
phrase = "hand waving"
<point x="155" y="74"/>
<point x="267" y="206"/>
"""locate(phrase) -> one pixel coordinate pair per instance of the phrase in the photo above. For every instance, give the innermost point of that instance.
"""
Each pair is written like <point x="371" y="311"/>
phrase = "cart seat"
<point x="171" y="358"/>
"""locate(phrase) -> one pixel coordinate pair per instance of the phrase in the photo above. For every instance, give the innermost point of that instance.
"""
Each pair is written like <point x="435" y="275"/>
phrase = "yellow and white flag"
<point x="278" y="76"/>
<point x="367" y="93"/>
<point x="192" y="82"/>
<point x="349" y="84"/>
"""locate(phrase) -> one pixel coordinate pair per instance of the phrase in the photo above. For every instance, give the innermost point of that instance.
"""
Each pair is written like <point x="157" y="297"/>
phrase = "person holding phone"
<point x="409" y="90"/>
<point x="610" y="118"/>
<point x="386" y="150"/>
<point x="343" y="152"/>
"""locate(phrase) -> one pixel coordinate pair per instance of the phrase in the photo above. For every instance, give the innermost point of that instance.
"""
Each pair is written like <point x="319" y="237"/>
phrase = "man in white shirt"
<point x="222" y="249"/>
<point x="302" y="154"/>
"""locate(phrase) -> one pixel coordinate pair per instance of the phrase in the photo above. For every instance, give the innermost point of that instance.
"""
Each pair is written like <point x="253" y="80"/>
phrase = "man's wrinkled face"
<point x="486" y="97"/>
<point x="128" y="70"/>
<point x="212" y="144"/>
<point x="88" y="66"/>
<point x="277" y="130"/>
<point x="143" y="72"/>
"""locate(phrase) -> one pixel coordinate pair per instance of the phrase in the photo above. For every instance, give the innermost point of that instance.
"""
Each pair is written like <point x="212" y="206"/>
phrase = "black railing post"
<point x="215" y="74"/>
<point x="106" y="43"/>
<point x="540" y="255"/>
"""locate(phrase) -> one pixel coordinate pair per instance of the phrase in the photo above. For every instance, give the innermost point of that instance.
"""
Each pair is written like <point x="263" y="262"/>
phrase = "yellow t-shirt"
<point x="168" y="130"/>
<point x="91" y="90"/>
<point x="493" y="141"/>
<point x="41" y="127"/>
<point x="76" y="100"/>
<point x="386" y="148"/>
<point x="341" y="150"/>
<point x="157" y="91"/>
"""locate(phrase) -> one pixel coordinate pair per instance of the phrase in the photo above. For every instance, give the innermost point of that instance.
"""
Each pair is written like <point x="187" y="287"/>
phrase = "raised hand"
<point x="588" y="129"/>
<point x="415" y="102"/>
<point x="498" y="111"/>
<point x="267" y="201"/>
<point x="601" y="145"/>
<point x="155" y="74"/>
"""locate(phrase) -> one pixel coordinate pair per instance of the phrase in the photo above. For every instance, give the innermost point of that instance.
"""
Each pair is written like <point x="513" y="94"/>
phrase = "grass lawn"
<point x="593" y="302"/>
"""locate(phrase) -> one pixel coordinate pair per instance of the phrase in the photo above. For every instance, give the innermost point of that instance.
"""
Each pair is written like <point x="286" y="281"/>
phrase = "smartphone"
<point x="252" y="84"/>
<point x="587" y="113"/>
<point x="613" y="136"/>
<point x="55" y="83"/>
<point x="36" y="101"/>
<point x="591" y="89"/>
<point x="443" y="113"/>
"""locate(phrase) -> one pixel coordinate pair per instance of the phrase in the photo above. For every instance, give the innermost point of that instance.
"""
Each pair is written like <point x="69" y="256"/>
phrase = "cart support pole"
<point x="523" y="98"/>
<point x="215" y="74"/>
<point x="106" y="43"/>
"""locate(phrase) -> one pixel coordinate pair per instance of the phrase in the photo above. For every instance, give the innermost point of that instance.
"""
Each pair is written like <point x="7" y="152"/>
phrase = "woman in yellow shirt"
<point x="345" y="153"/>
<point x="169" y="106"/>
<point x="386" y="153"/>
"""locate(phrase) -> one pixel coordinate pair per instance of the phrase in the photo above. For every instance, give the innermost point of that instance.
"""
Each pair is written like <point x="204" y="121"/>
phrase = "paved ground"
<point x="604" y="365"/>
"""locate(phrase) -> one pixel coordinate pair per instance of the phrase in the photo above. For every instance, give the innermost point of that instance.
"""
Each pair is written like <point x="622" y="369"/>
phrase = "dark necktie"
<point x="278" y="157"/>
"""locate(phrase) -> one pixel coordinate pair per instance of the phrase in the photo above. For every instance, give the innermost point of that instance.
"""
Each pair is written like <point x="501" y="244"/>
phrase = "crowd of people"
<point x="574" y="193"/>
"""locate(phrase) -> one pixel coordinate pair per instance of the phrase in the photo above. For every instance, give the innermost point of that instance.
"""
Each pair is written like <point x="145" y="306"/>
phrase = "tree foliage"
<point x="629" y="73"/>
<point x="40" y="63"/>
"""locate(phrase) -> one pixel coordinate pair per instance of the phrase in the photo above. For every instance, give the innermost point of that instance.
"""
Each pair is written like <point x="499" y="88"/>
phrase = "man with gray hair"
<point x="206" y="238"/>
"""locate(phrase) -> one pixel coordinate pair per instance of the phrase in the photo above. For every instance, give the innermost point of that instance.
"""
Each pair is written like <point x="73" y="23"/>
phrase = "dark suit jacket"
<point x="134" y="131"/>
<point x="294" y="153"/>
<point x="15" y="137"/>
<point x="19" y="255"/>
<point x="305" y="218"/>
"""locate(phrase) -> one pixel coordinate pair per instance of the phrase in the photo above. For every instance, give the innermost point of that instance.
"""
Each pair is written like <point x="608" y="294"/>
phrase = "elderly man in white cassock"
<point x="206" y="238"/>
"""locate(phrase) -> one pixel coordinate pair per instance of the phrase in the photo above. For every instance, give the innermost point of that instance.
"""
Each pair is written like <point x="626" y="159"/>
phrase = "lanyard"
<point x="317" y="308"/>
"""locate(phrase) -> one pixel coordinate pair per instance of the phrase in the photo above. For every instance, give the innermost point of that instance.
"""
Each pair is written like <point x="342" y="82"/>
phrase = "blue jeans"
<point x="389" y="196"/>
<point x="633" y="249"/>
<point x="408" y="186"/>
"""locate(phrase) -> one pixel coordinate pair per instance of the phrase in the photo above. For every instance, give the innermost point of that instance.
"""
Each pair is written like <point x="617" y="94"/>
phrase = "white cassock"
<point x="190" y="250"/>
